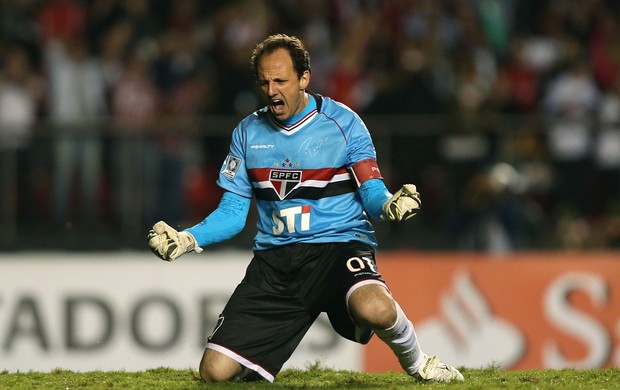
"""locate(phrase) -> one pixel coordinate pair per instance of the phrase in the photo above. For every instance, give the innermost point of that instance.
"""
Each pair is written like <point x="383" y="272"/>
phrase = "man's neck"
<point x="309" y="105"/>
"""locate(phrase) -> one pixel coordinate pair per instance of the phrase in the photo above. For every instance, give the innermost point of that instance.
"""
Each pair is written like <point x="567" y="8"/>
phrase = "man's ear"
<point x="304" y="80"/>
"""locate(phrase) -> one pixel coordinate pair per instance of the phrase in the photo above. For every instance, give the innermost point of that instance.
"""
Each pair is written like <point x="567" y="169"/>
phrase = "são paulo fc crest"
<point x="284" y="181"/>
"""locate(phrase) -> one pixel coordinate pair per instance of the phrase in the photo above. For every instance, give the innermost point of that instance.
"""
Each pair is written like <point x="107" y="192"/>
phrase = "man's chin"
<point x="279" y="115"/>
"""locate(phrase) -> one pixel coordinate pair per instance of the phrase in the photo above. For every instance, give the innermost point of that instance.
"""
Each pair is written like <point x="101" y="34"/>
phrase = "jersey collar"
<point x="297" y="121"/>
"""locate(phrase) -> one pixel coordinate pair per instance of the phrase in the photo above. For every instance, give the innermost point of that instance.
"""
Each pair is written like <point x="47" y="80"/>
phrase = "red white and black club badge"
<point x="284" y="181"/>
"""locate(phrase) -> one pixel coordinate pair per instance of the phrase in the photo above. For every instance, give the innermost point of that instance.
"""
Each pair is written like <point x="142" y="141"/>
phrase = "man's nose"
<point x="271" y="89"/>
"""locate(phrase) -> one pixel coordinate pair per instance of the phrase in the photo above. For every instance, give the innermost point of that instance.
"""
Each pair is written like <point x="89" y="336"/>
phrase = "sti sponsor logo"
<point x="288" y="218"/>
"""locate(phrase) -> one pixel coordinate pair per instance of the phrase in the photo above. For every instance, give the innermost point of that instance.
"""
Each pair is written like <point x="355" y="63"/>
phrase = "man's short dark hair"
<point x="295" y="47"/>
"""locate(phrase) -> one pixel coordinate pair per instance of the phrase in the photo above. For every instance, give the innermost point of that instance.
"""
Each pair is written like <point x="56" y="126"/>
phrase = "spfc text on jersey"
<point x="285" y="175"/>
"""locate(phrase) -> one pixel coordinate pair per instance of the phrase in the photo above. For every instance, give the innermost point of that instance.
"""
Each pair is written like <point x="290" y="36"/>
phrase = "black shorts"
<point x="283" y="292"/>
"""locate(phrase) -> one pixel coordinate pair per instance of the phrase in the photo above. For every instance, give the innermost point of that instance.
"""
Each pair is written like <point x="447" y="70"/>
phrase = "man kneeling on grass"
<point x="310" y="163"/>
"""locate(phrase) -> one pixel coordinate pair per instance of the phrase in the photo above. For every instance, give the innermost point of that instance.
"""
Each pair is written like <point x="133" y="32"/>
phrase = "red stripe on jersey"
<point x="365" y="170"/>
<point x="322" y="174"/>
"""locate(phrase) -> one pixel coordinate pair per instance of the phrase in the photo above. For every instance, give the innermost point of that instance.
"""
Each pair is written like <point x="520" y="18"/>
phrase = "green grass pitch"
<point x="315" y="378"/>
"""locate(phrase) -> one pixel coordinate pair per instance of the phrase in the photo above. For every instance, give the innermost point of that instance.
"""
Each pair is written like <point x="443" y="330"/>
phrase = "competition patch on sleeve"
<point x="231" y="166"/>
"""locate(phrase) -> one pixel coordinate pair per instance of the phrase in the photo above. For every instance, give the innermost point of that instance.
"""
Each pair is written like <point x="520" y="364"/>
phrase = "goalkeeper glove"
<point x="168" y="244"/>
<point x="403" y="205"/>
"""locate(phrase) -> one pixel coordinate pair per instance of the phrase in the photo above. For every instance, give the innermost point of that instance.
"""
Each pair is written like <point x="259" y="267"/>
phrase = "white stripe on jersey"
<point x="309" y="183"/>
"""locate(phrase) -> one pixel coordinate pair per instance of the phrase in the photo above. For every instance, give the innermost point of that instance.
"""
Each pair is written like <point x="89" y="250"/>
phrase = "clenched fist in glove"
<point x="168" y="244"/>
<point x="403" y="205"/>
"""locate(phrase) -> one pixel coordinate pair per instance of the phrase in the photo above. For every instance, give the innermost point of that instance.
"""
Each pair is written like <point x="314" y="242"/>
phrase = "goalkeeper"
<point x="310" y="163"/>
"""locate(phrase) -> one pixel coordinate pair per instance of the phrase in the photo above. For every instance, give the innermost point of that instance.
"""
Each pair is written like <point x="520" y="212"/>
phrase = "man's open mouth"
<point x="277" y="103"/>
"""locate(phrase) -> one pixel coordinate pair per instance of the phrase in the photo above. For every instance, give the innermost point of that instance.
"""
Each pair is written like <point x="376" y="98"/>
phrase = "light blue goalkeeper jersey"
<point x="299" y="174"/>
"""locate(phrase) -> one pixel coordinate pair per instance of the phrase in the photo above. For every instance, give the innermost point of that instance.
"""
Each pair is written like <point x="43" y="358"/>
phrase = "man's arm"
<point x="374" y="194"/>
<point x="227" y="220"/>
<point x="377" y="200"/>
<point x="381" y="204"/>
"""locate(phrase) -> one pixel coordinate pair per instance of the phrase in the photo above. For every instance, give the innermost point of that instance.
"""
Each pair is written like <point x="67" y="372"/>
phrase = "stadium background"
<point x="505" y="114"/>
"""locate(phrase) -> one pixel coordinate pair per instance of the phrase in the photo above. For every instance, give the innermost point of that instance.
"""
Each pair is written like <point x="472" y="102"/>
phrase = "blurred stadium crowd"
<point x="506" y="113"/>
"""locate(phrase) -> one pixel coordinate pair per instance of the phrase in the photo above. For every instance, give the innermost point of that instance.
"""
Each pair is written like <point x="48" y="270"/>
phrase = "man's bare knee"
<point x="217" y="367"/>
<point x="373" y="306"/>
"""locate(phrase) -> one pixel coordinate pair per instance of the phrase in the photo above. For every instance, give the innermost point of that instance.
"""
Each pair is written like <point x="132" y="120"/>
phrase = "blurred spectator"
<point x="237" y="27"/>
<point x="62" y="20"/>
<point x="496" y="19"/>
<point x="570" y="101"/>
<point x="318" y="36"/>
<point x="349" y="81"/>
<point x="607" y="152"/>
<point x="529" y="152"/>
<point x="492" y="215"/>
<point x="77" y="103"/>
<point x="475" y="66"/>
<point x="604" y="45"/>
<point x="523" y="80"/>
<point x="21" y="96"/>
<point x="145" y="23"/>
<point x="189" y="195"/>
<point x="573" y="94"/>
<point x="135" y="104"/>
<point x="18" y="26"/>
<point x="115" y="46"/>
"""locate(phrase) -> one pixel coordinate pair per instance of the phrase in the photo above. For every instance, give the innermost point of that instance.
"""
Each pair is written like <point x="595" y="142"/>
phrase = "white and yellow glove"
<point x="403" y="205"/>
<point x="169" y="244"/>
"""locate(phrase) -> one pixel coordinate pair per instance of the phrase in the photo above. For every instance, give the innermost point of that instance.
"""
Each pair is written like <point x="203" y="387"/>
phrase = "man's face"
<point x="280" y="85"/>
